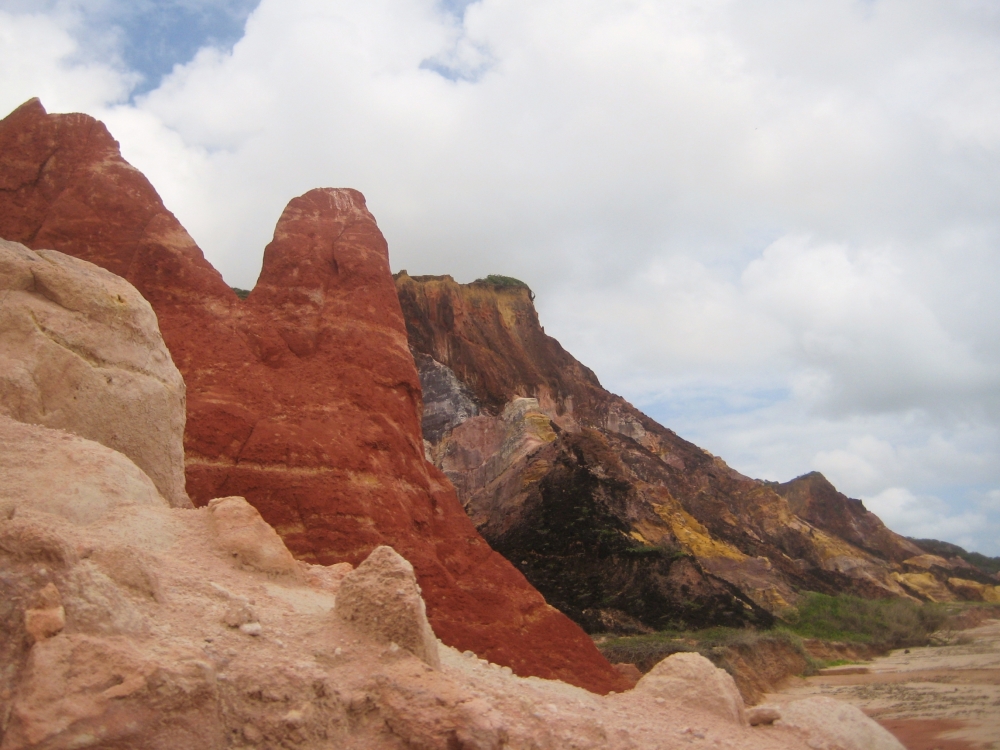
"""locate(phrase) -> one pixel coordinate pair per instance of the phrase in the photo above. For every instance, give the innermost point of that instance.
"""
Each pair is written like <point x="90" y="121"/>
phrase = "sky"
<point x="774" y="225"/>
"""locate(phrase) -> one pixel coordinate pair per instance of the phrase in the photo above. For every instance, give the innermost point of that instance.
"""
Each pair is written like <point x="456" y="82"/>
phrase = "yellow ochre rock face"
<point x="925" y="586"/>
<point x="694" y="536"/>
<point x="975" y="590"/>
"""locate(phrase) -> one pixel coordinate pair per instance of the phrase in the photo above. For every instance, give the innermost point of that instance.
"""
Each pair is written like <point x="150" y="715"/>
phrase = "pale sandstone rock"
<point x="832" y="725"/>
<point x="47" y="617"/>
<point x="691" y="680"/>
<point x="242" y="533"/>
<point x="85" y="691"/>
<point x="55" y="472"/>
<point x="325" y="577"/>
<point x="95" y="603"/>
<point x="172" y="672"/>
<point x="131" y="568"/>
<point x="763" y="715"/>
<point x="80" y="350"/>
<point x="381" y="597"/>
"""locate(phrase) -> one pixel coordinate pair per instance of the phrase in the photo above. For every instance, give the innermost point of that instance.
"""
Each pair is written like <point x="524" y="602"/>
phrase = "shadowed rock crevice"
<point x="570" y="536"/>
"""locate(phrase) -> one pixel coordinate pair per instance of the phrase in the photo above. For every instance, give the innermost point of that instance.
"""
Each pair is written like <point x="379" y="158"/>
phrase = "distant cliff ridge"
<point x="619" y="522"/>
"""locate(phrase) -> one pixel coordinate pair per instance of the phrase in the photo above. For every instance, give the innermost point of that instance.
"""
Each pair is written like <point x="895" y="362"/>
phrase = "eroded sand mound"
<point x="142" y="629"/>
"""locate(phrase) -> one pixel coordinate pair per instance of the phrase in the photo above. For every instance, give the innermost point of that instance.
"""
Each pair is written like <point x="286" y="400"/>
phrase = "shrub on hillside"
<point x="885" y="623"/>
<point x="495" y="279"/>
<point x="646" y="651"/>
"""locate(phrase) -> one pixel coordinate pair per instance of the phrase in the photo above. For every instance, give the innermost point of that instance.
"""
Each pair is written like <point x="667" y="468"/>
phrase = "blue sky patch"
<point x="164" y="33"/>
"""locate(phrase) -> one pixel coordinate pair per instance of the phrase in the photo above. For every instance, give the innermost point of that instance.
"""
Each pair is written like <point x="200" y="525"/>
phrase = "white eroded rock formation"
<point x="692" y="681"/>
<point x="80" y="350"/>
<point x="131" y="624"/>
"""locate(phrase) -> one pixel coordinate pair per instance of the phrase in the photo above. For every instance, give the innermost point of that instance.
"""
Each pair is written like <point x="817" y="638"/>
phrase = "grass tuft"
<point x="497" y="280"/>
<point x="883" y="623"/>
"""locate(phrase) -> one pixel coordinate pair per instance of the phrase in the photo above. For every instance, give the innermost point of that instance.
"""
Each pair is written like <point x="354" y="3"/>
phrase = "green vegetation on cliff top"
<point x="497" y="280"/>
<point x="883" y="624"/>
<point x="947" y="549"/>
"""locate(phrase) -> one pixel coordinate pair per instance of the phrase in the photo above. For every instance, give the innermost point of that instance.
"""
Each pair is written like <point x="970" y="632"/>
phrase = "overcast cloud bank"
<point x="775" y="226"/>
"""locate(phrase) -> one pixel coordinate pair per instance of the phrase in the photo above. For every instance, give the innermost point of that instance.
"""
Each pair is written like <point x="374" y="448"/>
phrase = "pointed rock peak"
<point x="328" y="262"/>
<point x="32" y="107"/>
<point x="316" y="240"/>
<point x="323" y="206"/>
<point x="381" y="597"/>
<point x="814" y="476"/>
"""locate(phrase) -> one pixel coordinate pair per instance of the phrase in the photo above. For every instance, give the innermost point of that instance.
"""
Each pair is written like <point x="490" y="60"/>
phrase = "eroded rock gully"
<point x="304" y="398"/>
<point x="617" y="520"/>
<point x="129" y="624"/>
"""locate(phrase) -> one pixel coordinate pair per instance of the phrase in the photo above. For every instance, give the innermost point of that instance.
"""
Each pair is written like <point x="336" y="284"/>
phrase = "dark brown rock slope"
<point x="304" y="398"/>
<point x="929" y="571"/>
<point x="617" y="520"/>
<point x="814" y="499"/>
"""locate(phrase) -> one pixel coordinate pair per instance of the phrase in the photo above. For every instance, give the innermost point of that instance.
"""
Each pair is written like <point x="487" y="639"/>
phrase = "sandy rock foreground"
<point x="131" y="624"/>
<point x="144" y="629"/>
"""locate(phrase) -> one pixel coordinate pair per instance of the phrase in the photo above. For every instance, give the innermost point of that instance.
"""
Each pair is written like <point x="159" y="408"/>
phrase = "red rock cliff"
<point x="304" y="398"/>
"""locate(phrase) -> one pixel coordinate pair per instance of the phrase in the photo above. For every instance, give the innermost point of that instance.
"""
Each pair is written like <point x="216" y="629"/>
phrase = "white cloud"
<point x="40" y="57"/>
<point x="855" y="319"/>
<point x="927" y="517"/>
<point x="776" y="225"/>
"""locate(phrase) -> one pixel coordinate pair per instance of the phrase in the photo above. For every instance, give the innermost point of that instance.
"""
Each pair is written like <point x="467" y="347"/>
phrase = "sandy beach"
<point x="932" y="698"/>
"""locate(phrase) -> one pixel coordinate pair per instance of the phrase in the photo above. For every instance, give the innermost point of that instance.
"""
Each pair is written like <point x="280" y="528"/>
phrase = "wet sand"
<point x="932" y="698"/>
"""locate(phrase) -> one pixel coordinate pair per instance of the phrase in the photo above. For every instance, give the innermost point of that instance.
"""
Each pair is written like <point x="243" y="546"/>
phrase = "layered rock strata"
<point x="141" y="630"/>
<point x="924" y="576"/>
<point x="616" y="519"/>
<point x="304" y="398"/>
<point x="814" y="499"/>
